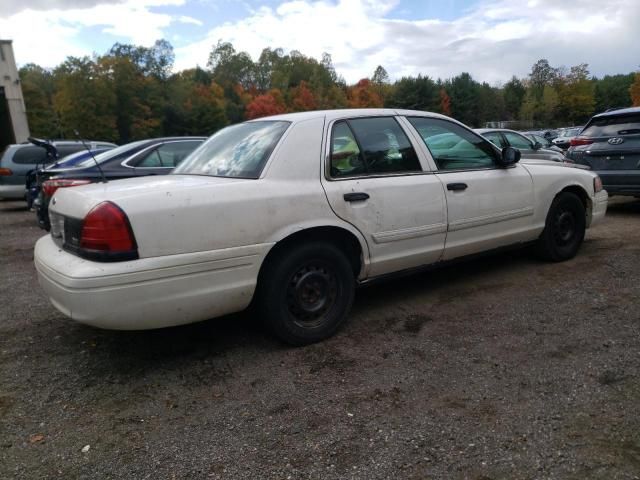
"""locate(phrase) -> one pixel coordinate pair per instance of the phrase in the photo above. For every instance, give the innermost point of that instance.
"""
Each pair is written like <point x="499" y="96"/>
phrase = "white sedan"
<point x="293" y="211"/>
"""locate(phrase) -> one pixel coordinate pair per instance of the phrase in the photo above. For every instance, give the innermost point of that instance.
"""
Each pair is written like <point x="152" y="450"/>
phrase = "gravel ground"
<point x="500" y="368"/>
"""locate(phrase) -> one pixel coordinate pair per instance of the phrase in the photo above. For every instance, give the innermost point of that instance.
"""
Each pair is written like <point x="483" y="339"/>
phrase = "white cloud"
<point x="48" y="37"/>
<point x="190" y="20"/>
<point x="493" y="41"/>
<point x="497" y="39"/>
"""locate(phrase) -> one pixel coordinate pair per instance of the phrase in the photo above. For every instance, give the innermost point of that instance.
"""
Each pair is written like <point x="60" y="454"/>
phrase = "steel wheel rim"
<point x="311" y="293"/>
<point x="564" y="227"/>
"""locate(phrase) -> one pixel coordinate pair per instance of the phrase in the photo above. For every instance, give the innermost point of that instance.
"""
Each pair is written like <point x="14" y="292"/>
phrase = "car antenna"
<point x="104" y="179"/>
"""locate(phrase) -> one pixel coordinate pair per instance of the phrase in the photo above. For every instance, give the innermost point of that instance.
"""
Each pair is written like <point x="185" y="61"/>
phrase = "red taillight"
<point x="577" y="141"/>
<point x="106" y="229"/>
<point x="5" y="172"/>
<point x="50" y="186"/>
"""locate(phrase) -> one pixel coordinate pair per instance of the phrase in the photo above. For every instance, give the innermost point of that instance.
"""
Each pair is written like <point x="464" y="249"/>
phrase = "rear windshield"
<point x="30" y="155"/>
<point x="613" y="125"/>
<point x="239" y="151"/>
<point x="109" y="154"/>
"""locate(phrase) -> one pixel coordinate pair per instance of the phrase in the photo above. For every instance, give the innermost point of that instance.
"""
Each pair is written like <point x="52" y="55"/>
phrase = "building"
<point x="14" y="127"/>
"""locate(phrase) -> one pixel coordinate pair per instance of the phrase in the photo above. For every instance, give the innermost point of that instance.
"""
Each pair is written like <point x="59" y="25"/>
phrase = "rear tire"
<point x="564" y="229"/>
<point x="305" y="293"/>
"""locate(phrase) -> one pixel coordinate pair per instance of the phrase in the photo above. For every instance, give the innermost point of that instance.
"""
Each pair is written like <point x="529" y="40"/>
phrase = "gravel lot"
<point x="501" y="368"/>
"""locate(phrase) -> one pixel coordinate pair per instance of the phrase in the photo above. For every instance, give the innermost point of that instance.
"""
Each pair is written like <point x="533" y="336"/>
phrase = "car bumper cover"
<point x="151" y="292"/>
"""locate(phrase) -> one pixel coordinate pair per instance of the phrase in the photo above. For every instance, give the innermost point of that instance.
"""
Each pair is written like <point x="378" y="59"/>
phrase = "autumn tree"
<point x="445" y="102"/>
<point x="634" y="91"/>
<point x="85" y="100"/>
<point x="270" y="103"/>
<point x="302" y="98"/>
<point x="363" y="95"/>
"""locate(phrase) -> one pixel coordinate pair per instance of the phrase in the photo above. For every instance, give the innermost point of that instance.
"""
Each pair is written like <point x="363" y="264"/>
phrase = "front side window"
<point x="371" y="146"/>
<point x="239" y="151"/>
<point x="464" y="151"/>
<point x="518" y="141"/>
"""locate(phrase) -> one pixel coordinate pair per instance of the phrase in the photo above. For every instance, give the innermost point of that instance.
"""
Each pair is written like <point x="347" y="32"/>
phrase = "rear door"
<point x="375" y="180"/>
<point x="487" y="206"/>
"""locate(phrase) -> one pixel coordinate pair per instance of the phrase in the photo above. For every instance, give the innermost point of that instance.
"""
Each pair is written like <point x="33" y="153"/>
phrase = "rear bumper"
<point x="621" y="182"/>
<point x="150" y="292"/>
<point x="12" y="191"/>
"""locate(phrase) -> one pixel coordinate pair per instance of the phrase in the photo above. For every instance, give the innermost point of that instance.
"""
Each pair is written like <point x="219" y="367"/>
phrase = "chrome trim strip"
<point x="489" y="219"/>
<point x="407" y="233"/>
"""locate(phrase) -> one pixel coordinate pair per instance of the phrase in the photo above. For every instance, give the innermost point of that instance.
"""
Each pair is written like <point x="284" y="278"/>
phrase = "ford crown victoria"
<point x="291" y="212"/>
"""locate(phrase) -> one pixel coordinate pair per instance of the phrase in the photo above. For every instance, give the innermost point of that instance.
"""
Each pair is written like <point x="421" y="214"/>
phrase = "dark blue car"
<point x="157" y="156"/>
<point x="34" y="183"/>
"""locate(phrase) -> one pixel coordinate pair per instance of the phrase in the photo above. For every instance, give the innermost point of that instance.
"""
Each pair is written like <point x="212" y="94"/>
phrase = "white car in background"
<point x="293" y="211"/>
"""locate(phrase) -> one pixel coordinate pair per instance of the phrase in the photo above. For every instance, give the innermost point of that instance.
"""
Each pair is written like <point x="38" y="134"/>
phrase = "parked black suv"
<point x="610" y="145"/>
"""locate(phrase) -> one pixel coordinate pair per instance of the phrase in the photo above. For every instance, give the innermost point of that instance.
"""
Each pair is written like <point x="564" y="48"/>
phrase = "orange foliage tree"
<point x="363" y="95"/>
<point x="634" y="91"/>
<point x="270" y="103"/>
<point x="302" y="98"/>
<point x="445" y="102"/>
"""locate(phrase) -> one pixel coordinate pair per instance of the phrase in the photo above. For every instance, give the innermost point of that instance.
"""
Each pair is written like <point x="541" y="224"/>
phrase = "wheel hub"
<point x="311" y="293"/>
<point x="565" y="227"/>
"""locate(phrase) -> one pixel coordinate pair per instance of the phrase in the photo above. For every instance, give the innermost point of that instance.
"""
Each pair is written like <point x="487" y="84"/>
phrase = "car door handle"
<point x="456" y="186"/>
<point x="355" y="197"/>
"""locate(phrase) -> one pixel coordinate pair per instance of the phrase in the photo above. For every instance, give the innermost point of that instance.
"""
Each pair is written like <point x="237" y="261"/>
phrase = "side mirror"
<point x="537" y="145"/>
<point x="510" y="156"/>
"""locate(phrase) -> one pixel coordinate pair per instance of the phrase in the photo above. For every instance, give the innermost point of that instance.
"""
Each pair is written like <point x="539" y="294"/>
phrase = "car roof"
<point x="621" y="111"/>
<point x="354" y="112"/>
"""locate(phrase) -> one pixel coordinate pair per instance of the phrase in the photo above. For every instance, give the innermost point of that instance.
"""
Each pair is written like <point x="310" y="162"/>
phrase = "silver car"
<point x="510" y="138"/>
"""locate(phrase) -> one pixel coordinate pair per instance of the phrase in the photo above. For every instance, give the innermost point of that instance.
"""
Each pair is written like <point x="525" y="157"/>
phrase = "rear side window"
<point x="462" y="150"/>
<point x="370" y="146"/>
<point x="65" y="150"/>
<point x="30" y="155"/>
<point x="495" y="138"/>
<point x="613" y="125"/>
<point x="168" y="155"/>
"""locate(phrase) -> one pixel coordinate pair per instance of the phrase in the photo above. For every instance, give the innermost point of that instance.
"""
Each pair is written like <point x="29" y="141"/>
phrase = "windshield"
<point x="239" y="151"/>
<point x="613" y="125"/>
<point x="103" y="157"/>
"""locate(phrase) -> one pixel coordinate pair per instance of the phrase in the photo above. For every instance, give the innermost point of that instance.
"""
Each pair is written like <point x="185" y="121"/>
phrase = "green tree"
<point x="464" y="92"/>
<point x="38" y="88"/>
<point x="541" y="74"/>
<point x="415" y="93"/>
<point x="612" y="91"/>
<point x="513" y="94"/>
<point x="85" y="100"/>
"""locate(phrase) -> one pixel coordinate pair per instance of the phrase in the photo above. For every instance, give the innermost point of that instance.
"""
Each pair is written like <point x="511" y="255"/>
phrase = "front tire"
<point x="564" y="229"/>
<point x="305" y="293"/>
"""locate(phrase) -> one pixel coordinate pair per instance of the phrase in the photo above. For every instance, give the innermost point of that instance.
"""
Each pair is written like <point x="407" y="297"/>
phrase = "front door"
<point x="376" y="182"/>
<point x="488" y="206"/>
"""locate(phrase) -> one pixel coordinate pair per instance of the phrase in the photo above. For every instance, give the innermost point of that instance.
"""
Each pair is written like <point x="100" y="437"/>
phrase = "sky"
<point x="491" y="39"/>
